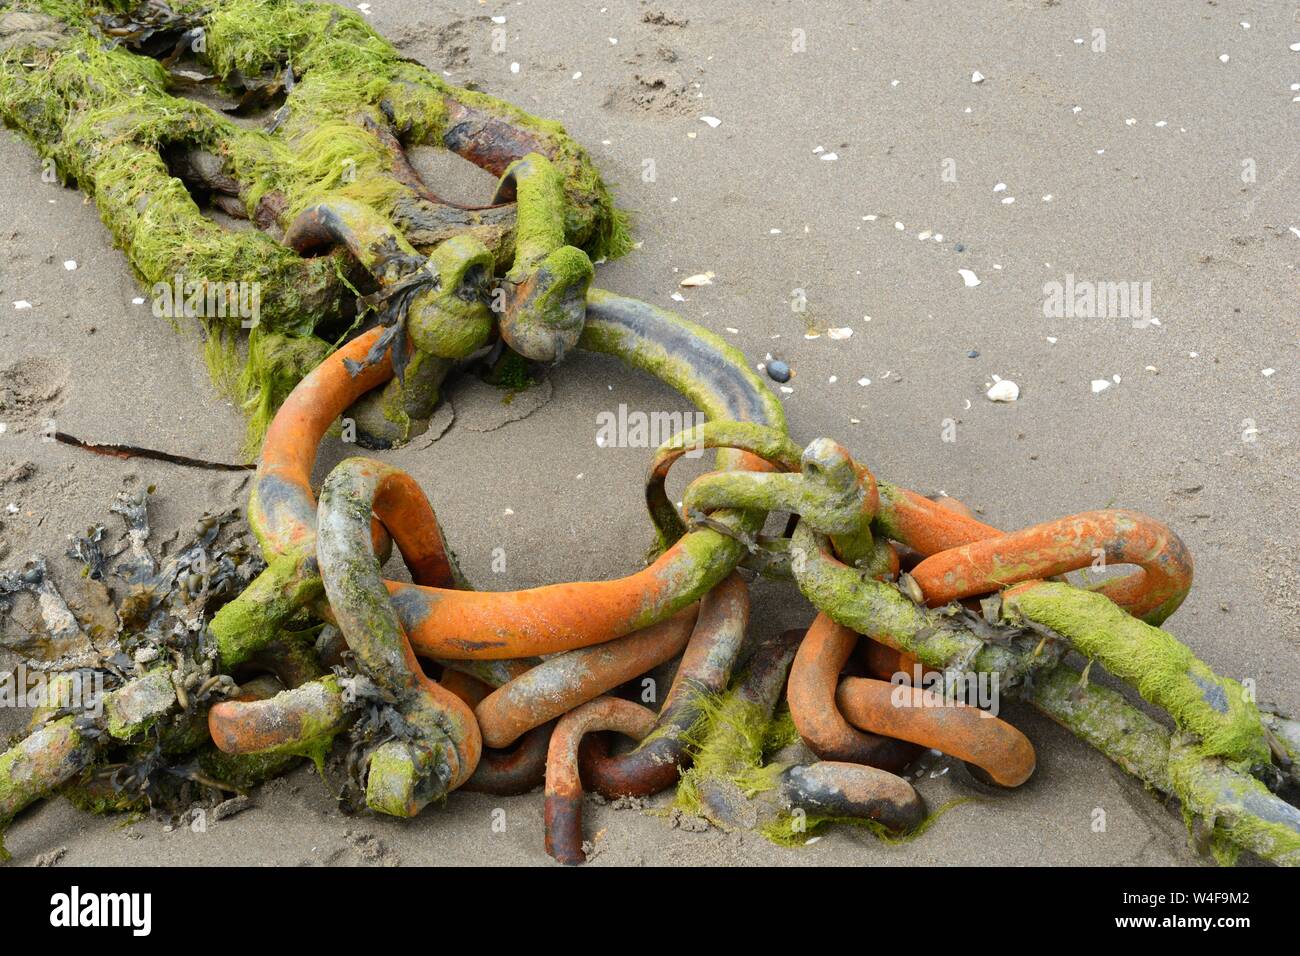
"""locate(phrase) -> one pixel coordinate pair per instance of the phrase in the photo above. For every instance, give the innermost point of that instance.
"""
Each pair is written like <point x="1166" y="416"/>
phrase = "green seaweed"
<point x="107" y="117"/>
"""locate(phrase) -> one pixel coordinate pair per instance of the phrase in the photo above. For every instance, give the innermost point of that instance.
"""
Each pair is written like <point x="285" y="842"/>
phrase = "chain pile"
<point x="917" y="601"/>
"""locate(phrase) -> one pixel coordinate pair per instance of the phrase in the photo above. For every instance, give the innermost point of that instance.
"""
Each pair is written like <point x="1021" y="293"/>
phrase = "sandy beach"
<point x="835" y="166"/>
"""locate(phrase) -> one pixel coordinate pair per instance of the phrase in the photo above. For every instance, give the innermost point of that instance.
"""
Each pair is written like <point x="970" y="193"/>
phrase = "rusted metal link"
<point x="465" y="686"/>
<point x="931" y="720"/>
<point x="546" y="288"/>
<point x="561" y="617"/>
<point x="826" y="789"/>
<point x="520" y="769"/>
<point x="1069" y="544"/>
<point x="404" y="775"/>
<point x="487" y="139"/>
<point x="830" y="490"/>
<point x="509" y="772"/>
<point x="559" y="684"/>
<point x="445" y="293"/>
<point x="292" y="721"/>
<point x="771" y="445"/>
<point x="39" y="764"/>
<point x="731" y="749"/>
<point x="444" y="623"/>
<point x="882" y="661"/>
<point x="490" y="673"/>
<point x="814" y="677"/>
<point x="850" y="790"/>
<point x="292" y="658"/>
<point x="563" y="810"/>
<point x="879" y="610"/>
<point x="282" y="506"/>
<point x="705" y="669"/>
<point x="926" y="526"/>
<point x="364" y="232"/>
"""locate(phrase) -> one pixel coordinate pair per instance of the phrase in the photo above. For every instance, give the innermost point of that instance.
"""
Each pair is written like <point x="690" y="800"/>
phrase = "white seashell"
<point x="1003" y="390"/>
<point x="701" y="278"/>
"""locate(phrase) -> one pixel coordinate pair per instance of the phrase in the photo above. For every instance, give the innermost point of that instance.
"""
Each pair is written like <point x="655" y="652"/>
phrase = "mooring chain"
<point x="917" y="600"/>
<point x="843" y="516"/>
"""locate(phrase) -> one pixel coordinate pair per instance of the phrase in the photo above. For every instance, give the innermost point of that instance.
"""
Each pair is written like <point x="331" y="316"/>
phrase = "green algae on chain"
<point x="59" y="750"/>
<point x="358" y="69"/>
<point x="796" y="829"/>
<point x="1218" y="710"/>
<point x="688" y="358"/>
<point x="1231" y="735"/>
<point x="34" y="767"/>
<point x="853" y="598"/>
<point x="545" y="290"/>
<point x="245" y="771"/>
<point x="709" y="372"/>
<point x="727" y="742"/>
<point x="1104" y="719"/>
<point x="830" y="493"/>
<point x="772" y="445"/>
<point x="1239" y="810"/>
<point x="105" y="116"/>
<point x="290" y="583"/>
<point x="727" y="745"/>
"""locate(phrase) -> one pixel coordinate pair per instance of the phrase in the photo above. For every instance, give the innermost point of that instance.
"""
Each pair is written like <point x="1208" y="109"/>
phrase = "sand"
<point x="1141" y="149"/>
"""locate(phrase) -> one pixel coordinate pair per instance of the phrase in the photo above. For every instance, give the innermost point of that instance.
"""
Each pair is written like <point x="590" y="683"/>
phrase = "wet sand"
<point x="1140" y="149"/>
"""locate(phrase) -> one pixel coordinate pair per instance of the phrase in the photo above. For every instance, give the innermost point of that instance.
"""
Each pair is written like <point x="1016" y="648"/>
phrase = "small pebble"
<point x="959" y="248"/>
<point x="973" y="354"/>
<point x="778" y="371"/>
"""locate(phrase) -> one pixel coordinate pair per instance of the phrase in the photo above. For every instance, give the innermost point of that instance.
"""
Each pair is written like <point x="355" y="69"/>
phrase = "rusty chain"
<point x="916" y="600"/>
